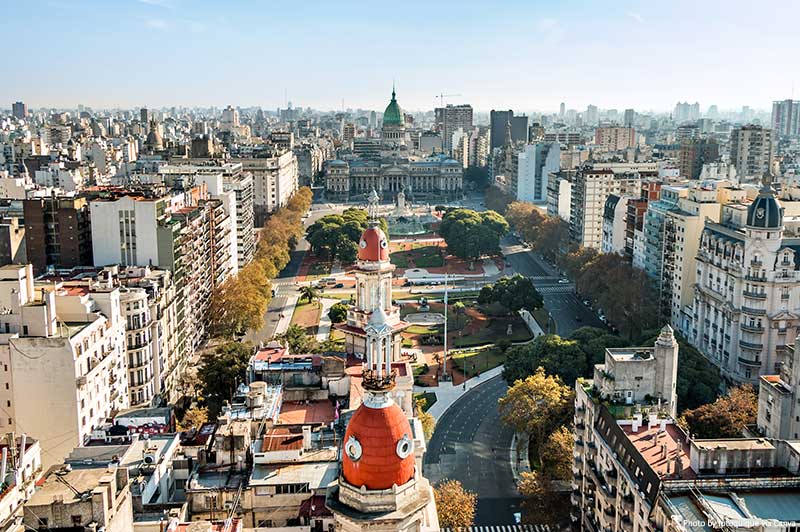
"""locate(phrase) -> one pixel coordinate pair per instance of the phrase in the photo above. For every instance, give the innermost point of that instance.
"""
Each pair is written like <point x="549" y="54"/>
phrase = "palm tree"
<point x="458" y="308"/>
<point x="309" y="292"/>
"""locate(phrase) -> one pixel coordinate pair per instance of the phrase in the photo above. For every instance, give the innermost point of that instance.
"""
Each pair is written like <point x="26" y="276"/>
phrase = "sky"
<point x="506" y="54"/>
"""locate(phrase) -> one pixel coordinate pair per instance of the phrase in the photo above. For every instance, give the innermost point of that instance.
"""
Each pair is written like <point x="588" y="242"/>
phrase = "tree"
<point x="455" y="506"/>
<point x="309" y="292"/>
<point x="543" y="504"/>
<point x="458" y="310"/>
<point x="594" y="342"/>
<point x="240" y="302"/>
<point x="557" y="454"/>
<point x="724" y="418"/>
<point x="512" y="293"/>
<point x="552" y="238"/>
<point x="426" y="419"/>
<point x="556" y="355"/>
<point x="470" y="234"/>
<point x="536" y="406"/>
<point x="297" y="339"/>
<point x="496" y="199"/>
<point x="193" y="418"/>
<point x="336" y="236"/>
<point x="221" y="371"/>
<point x="338" y="312"/>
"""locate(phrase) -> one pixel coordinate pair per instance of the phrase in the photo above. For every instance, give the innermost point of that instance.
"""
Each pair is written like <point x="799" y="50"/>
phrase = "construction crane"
<point x="442" y="96"/>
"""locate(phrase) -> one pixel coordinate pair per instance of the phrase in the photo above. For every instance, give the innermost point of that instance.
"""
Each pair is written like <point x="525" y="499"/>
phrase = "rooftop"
<point x="662" y="445"/>
<point x="316" y="474"/>
<point x="83" y="480"/>
<point x="630" y="353"/>
<point x="301" y="413"/>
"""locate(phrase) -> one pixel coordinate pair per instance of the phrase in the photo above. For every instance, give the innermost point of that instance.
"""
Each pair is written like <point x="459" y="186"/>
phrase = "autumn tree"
<point x="193" y="418"/>
<point x="552" y="237"/>
<point x="426" y="419"/>
<point x="543" y="504"/>
<point x="221" y="371"/>
<point x="455" y="506"/>
<point x="240" y="302"/>
<point x="537" y="406"/>
<point x="557" y="454"/>
<point x="726" y="417"/>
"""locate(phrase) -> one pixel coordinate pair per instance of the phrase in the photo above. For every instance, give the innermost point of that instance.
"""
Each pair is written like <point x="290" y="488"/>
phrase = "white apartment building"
<point x="275" y="179"/>
<point x="752" y="151"/>
<point x="747" y="294"/>
<point x="615" y="216"/>
<point x="62" y="352"/>
<point x="57" y="176"/>
<point x="535" y="163"/>
<point x="591" y="186"/>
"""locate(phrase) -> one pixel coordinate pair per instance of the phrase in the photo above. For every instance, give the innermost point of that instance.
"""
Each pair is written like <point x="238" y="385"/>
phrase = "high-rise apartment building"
<point x="630" y="118"/>
<point x="615" y="138"/>
<point x="686" y="112"/>
<point x="275" y="179"/>
<point x="694" y="153"/>
<point x="503" y="123"/>
<point x="752" y="151"/>
<point x="449" y="119"/>
<point x="591" y="186"/>
<point x="57" y="232"/>
<point x="535" y="163"/>
<point x="786" y="118"/>
<point x="19" y="110"/>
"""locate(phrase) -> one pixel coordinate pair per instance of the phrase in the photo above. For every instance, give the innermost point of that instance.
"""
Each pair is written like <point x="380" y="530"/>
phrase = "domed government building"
<point x="392" y="164"/>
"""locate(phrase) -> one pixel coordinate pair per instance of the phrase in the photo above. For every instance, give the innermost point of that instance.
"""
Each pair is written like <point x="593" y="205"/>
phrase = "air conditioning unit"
<point x="150" y="457"/>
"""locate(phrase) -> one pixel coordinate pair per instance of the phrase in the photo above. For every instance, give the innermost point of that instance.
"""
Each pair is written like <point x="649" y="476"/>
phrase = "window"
<point x="76" y="520"/>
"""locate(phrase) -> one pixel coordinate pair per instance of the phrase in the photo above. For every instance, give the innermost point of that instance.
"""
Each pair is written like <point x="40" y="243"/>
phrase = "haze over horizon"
<point x="529" y="56"/>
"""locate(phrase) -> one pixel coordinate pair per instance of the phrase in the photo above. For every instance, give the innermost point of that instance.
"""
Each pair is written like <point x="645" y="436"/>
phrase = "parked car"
<point x="339" y="285"/>
<point x="563" y="281"/>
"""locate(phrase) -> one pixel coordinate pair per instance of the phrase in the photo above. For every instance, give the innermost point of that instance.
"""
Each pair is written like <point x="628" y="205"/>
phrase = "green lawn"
<point x="422" y="329"/>
<point x="429" y="397"/>
<point x="496" y="331"/>
<point x="477" y="361"/>
<point x="422" y="256"/>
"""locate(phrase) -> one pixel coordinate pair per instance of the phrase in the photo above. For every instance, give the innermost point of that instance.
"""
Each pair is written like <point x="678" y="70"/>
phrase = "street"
<point x="566" y="309"/>
<point x="471" y="445"/>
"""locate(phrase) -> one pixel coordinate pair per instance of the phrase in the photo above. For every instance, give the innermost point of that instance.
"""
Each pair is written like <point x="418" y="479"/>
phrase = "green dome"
<point x="393" y="115"/>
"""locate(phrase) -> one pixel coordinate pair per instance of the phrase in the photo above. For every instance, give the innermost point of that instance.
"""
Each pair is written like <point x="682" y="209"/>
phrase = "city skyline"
<point x="191" y="54"/>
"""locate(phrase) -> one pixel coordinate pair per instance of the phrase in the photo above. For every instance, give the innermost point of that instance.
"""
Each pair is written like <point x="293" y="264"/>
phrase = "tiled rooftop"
<point x="649" y="441"/>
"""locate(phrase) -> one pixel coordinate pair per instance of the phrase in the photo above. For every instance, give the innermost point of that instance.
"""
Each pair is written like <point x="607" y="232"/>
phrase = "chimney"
<point x="306" y="437"/>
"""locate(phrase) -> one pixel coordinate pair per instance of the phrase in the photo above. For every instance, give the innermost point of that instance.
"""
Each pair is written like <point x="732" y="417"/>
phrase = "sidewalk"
<point x="446" y="393"/>
<point x="324" y="327"/>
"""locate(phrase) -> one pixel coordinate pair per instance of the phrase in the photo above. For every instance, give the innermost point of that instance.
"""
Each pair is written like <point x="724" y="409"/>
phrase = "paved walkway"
<point x="446" y="393"/>
<point x="490" y="269"/>
<point x="324" y="328"/>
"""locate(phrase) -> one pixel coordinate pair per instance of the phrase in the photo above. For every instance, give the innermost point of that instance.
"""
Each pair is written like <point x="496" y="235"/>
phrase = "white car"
<point x="563" y="281"/>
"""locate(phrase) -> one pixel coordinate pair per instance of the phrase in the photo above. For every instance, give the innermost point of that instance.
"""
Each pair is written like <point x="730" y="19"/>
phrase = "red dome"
<point x="373" y="245"/>
<point x="378" y="448"/>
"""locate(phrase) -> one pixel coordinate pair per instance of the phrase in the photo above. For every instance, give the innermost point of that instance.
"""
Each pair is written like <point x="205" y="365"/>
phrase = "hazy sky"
<point x="525" y="55"/>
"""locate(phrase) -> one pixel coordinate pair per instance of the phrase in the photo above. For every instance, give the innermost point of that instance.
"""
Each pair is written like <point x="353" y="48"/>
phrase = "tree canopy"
<point x="470" y="234"/>
<point x="298" y="340"/>
<point x="455" y="506"/>
<point x="221" y="371"/>
<point x="724" y="418"/>
<point x="338" y="312"/>
<point x="336" y="236"/>
<point x="537" y="405"/>
<point x="512" y="293"/>
<point x="556" y="355"/>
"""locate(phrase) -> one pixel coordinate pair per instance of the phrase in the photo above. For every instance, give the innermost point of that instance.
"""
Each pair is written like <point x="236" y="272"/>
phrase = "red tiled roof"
<point x="649" y="442"/>
<point x="298" y="413"/>
<point x="282" y="439"/>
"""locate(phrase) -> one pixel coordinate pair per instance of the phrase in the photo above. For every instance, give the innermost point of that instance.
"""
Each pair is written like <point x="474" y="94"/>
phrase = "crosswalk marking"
<point x="560" y="289"/>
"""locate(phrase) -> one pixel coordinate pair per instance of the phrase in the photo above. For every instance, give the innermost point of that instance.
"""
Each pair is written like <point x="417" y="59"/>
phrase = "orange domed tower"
<point x="373" y="273"/>
<point x="381" y="487"/>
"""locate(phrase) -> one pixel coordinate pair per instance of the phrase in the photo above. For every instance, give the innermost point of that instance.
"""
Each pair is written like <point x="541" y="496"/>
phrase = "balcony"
<point x="752" y="363"/>
<point x="750" y="345"/>
<point x="754" y="311"/>
<point x="756" y="329"/>
<point x="754" y="295"/>
<point x="756" y="278"/>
